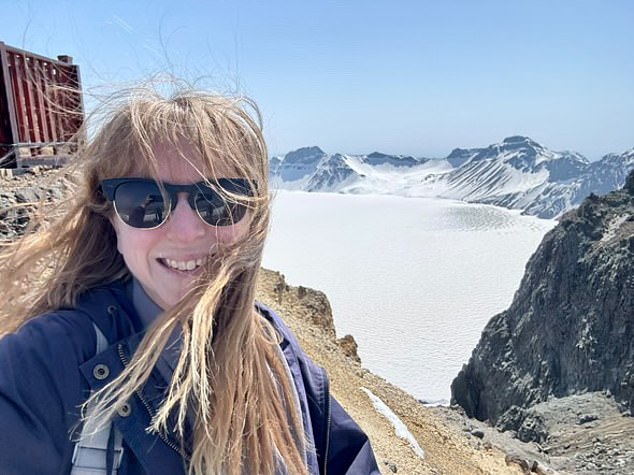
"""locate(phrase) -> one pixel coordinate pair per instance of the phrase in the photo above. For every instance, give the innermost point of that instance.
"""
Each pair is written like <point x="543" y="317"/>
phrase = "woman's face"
<point x="159" y="258"/>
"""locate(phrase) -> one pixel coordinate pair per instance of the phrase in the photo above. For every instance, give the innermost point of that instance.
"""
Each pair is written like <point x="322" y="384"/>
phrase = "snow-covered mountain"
<point x="299" y="164"/>
<point x="517" y="173"/>
<point x="513" y="174"/>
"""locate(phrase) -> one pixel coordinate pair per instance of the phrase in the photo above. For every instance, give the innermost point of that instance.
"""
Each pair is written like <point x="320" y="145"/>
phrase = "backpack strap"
<point x="90" y="456"/>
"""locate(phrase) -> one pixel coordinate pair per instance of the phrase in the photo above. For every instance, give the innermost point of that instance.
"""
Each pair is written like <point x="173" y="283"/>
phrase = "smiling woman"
<point x="135" y="301"/>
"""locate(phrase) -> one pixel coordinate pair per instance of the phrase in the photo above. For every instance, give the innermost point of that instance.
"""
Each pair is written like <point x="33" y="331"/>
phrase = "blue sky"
<point x="407" y="77"/>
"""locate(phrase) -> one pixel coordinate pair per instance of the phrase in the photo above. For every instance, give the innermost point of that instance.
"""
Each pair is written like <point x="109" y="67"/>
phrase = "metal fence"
<point x="41" y="107"/>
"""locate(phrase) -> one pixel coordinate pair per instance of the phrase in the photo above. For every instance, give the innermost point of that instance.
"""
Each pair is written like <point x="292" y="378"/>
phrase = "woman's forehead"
<point x="183" y="163"/>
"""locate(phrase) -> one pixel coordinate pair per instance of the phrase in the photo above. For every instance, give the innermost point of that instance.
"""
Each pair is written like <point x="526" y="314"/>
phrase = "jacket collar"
<point x="110" y="309"/>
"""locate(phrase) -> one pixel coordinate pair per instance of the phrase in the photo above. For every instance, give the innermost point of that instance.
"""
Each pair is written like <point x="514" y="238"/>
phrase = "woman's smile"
<point x="183" y="265"/>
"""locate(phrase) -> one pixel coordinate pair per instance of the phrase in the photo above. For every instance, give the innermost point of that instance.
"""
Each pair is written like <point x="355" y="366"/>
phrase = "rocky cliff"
<point x="570" y="327"/>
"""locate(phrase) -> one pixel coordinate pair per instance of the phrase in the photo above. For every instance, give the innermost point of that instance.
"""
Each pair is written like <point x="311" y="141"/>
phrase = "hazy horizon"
<point x="387" y="152"/>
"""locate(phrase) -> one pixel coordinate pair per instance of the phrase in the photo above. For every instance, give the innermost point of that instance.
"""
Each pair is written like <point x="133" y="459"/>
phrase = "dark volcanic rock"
<point x="570" y="328"/>
<point x="21" y="191"/>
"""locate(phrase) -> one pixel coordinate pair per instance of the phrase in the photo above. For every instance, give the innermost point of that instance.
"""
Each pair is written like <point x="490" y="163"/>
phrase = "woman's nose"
<point x="184" y="223"/>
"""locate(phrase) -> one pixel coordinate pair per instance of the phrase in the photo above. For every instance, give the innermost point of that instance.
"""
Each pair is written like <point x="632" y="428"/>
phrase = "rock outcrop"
<point x="19" y="190"/>
<point x="570" y="327"/>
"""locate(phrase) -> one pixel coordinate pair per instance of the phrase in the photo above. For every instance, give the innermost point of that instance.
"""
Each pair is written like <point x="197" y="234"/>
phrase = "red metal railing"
<point x="41" y="107"/>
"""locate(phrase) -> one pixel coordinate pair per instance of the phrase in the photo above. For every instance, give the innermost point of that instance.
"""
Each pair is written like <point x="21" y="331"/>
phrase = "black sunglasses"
<point x="143" y="203"/>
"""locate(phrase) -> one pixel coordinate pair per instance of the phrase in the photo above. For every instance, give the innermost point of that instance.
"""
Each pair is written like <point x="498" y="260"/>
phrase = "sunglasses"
<point x="143" y="203"/>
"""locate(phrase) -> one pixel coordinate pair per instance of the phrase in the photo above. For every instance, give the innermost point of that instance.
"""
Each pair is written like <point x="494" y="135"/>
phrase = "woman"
<point x="132" y="340"/>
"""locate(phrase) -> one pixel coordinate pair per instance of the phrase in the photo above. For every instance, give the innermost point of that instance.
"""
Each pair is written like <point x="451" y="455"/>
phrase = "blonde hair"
<point x="230" y="373"/>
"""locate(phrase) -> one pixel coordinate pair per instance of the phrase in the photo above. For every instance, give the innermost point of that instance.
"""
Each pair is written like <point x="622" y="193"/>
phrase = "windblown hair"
<point x="230" y="374"/>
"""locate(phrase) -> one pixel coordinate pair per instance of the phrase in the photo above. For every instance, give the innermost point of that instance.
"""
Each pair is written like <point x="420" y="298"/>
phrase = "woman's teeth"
<point x="184" y="265"/>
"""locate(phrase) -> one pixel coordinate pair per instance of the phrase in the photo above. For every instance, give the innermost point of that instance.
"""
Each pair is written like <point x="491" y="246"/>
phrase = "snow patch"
<point x="613" y="227"/>
<point x="400" y="428"/>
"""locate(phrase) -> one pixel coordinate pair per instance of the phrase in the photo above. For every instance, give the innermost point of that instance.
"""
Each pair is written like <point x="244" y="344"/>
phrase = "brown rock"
<point x="349" y="346"/>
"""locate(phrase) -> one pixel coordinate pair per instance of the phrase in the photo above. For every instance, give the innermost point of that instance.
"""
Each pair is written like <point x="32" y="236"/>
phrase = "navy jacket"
<point x="47" y="370"/>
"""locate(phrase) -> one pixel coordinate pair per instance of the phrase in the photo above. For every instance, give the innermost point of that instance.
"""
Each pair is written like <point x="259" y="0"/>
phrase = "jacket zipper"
<point x="328" y="422"/>
<point x="124" y="359"/>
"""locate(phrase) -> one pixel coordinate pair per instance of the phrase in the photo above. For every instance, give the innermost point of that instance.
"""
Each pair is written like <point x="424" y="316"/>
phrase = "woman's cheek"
<point x="230" y="234"/>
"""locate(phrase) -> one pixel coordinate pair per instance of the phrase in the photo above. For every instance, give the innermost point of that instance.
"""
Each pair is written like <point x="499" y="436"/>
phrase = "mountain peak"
<point x="308" y="150"/>
<point x="516" y="139"/>
<point x="520" y="141"/>
<point x="305" y="155"/>
<point x="460" y="156"/>
<point x="379" y="158"/>
<point x="377" y="155"/>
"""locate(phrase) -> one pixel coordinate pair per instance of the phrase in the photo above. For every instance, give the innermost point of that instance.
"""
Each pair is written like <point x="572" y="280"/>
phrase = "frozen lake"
<point x="415" y="280"/>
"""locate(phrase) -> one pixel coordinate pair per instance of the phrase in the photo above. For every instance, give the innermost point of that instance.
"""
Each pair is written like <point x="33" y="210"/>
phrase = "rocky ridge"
<point x="557" y="367"/>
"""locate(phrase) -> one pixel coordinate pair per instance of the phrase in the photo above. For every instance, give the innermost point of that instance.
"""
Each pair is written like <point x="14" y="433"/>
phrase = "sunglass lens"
<point x="216" y="211"/>
<point x="140" y="205"/>
<point x="217" y="207"/>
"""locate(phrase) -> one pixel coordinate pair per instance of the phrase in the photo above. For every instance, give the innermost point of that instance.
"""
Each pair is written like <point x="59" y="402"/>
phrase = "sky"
<point x="415" y="78"/>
